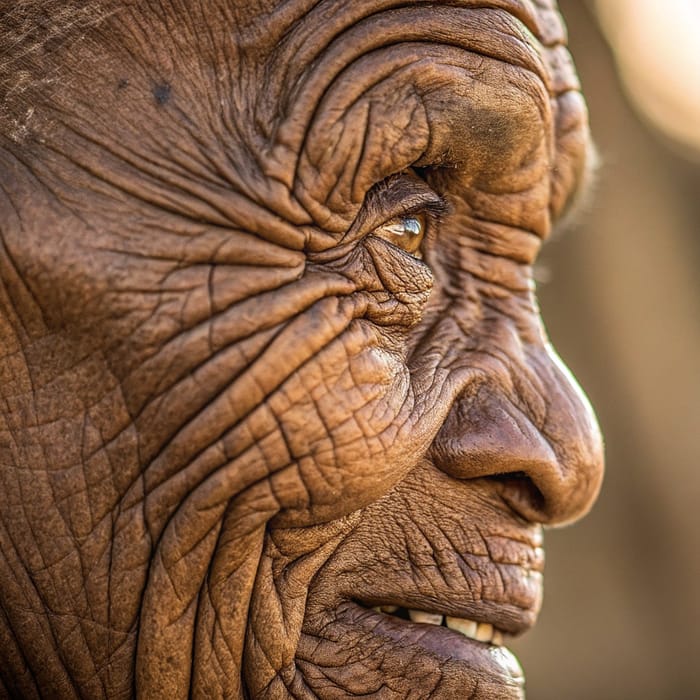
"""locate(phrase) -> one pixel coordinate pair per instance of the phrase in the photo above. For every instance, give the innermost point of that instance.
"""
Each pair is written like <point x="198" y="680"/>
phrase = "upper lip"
<point x="511" y="607"/>
<point x="487" y="571"/>
<point x="503" y="589"/>
<point x="505" y="616"/>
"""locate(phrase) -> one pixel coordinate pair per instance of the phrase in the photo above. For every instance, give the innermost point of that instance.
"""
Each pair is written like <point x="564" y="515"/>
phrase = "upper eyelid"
<point x="434" y="209"/>
<point x="409" y="203"/>
<point x="395" y="198"/>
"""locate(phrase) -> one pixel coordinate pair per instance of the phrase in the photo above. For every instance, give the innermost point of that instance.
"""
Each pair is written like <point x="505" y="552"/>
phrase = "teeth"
<point x="481" y="632"/>
<point x="465" y="627"/>
<point x="484" y="632"/>
<point x="425" y="617"/>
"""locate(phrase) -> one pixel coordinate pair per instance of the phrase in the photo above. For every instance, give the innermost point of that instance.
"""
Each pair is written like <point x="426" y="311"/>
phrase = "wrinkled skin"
<point x="235" y="415"/>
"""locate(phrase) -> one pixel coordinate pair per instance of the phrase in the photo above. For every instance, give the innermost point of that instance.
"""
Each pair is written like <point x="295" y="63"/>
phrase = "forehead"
<point x="257" y="27"/>
<point x="297" y="78"/>
<point x="541" y="16"/>
<point x="280" y="37"/>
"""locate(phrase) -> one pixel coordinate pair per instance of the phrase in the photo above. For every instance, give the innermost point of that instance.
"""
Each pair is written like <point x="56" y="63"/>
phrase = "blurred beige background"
<point x="621" y="618"/>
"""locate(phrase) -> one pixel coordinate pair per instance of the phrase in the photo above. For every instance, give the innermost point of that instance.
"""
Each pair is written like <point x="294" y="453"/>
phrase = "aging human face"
<point x="271" y="353"/>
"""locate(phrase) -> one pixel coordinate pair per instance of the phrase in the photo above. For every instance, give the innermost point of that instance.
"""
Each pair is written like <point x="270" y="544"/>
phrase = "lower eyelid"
<point x="400" y="271"/>
<point x="416" y="254"/>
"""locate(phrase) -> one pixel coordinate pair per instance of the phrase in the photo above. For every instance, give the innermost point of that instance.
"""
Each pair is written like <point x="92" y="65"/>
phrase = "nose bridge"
<point x="526" y="421"/>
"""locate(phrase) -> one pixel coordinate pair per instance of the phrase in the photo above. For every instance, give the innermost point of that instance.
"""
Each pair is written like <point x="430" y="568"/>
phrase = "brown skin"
<point x="237" y="411"/>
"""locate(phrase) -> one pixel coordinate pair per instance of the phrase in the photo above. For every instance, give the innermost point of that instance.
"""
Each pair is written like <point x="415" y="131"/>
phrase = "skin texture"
<point x="234" y="415"/>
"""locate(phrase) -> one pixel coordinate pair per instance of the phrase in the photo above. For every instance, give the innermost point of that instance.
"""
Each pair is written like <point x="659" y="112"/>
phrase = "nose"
<point x="548" y="467"/>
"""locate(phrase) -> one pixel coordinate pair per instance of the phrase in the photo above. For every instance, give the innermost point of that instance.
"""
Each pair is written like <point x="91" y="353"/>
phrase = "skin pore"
<point x="272" y="372"/>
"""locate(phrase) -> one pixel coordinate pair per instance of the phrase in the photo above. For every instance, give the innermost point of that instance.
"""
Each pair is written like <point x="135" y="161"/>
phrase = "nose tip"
<point x="548" y="470"/>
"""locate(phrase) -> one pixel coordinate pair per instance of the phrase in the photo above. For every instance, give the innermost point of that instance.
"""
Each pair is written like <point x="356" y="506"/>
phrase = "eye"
<point x="405" y="232"/>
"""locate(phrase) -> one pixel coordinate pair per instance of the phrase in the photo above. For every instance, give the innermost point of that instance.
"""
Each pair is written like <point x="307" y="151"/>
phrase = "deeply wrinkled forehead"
<point x="289" y="37"/>
<point x="306" y="81"/>
<point x="521" y="33"/>
<point x="469" y="75"/>
<point x="279" y="41"/>
<point x="540" y="16"/>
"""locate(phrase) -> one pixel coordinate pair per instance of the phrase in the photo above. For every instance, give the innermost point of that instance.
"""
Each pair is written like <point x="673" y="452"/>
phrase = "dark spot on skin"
<point x="162" y="93"/>
<point x="122" y="84"/>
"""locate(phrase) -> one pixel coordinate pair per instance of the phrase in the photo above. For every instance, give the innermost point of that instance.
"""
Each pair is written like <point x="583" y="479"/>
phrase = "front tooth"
<point x="390" y="608"/>
<point x="484" y="632"/>
<point x="425" y="617"/>
<point x="497" y="638"/>
<point x="466" y="627"/>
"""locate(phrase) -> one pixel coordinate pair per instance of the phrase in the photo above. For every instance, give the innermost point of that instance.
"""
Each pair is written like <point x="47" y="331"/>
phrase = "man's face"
<point x="267" y="288"/>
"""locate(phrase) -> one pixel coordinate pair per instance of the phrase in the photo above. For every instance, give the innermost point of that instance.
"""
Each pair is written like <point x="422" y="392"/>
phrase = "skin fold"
<point x="236" y="411"/>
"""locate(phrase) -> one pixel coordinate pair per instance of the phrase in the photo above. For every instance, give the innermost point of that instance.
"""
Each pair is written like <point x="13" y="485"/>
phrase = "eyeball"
<point x="405" y="232"/>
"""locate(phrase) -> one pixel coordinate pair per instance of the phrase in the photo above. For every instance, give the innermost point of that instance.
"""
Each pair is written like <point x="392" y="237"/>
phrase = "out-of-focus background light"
<point x="657" y="48"/>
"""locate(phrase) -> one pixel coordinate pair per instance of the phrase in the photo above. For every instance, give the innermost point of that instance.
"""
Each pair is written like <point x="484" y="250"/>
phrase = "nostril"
<point x="520" y="493"/>
<point x="547" y="474"/>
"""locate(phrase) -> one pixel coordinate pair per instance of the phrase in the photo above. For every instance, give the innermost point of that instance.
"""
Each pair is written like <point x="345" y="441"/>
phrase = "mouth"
<point x="464" y="657"/>
<point x="483" y="632"/>
<point x="446" y="636"/>
<point x="430" y="608"/>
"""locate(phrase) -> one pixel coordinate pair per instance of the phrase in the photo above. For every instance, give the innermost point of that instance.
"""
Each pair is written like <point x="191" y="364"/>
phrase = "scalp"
<point x="32" y="32"/>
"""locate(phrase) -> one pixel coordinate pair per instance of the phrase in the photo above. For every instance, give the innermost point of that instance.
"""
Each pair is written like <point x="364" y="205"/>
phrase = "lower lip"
<point x="495" y="667"/>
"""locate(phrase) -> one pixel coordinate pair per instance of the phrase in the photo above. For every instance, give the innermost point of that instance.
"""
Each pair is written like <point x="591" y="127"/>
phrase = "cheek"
<point x="349" y="419"/>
